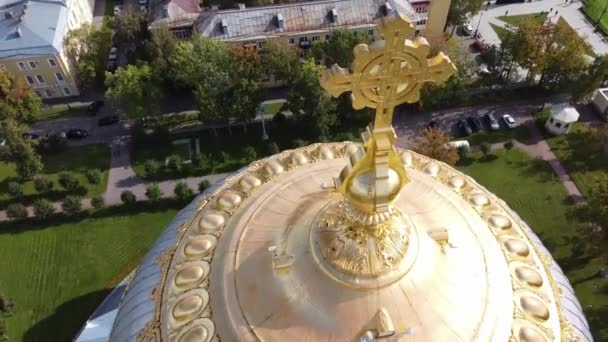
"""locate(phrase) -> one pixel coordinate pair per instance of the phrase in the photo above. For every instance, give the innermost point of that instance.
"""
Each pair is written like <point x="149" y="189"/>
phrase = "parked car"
<point x="467" y="29"/>
<point x="432" y="124"/>
<point x="30" y="136"/>
<point x="76" y="133"/>
<point x="492" y="122"/>
<point x="108" y="120"/>
<point x="479" y="45"/>
<point x="113" y="54"/>
<point x="483" y="70"/>
<point x="475" y="123"/>
<point x="509" y="121"/>
<point x="464" y="127"/>
<point x="116" y="10"/>
<point x="95" y="106"/>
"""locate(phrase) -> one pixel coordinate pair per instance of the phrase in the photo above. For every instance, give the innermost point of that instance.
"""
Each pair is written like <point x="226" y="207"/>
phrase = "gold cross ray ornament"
<point x="384" y="74"/>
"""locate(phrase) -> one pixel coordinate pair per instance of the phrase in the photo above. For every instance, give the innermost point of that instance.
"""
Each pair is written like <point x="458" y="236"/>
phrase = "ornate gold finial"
<point x="384" y="74"/>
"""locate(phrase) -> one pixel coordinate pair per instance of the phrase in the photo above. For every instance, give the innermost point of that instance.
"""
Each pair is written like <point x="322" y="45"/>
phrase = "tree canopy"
<point x="136" y="88"/>
<point x="434" y="144"/>
<point x="461" y="10"/>
<point x="17" y="100"/>
<point x="88" y="47"/>
<point x="130" y="34"/>
<point x="338" y="49"/>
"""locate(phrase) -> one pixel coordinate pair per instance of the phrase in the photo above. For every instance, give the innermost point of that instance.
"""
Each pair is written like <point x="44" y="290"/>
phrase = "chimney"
<point x="241" y="5"/>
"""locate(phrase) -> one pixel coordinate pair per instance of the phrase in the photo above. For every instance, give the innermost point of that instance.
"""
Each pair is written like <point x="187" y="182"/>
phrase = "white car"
<point x="509" y="121"/>
<point x="483" y="70"/>
<point x="116" y="10"/>
<point x="113" y="54"/>
<point x="467" y="29"/>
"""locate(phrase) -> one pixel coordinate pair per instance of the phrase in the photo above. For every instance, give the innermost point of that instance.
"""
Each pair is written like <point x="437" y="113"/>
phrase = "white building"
<point x="561" y="121"/>
<point x="600" y="101"/>
<point x="79" y="12"/>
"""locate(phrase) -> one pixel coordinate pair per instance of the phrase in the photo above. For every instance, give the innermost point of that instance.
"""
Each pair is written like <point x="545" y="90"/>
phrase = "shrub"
<point x="279" y="119"/>
<point x="250" y="153"/>
<point x="69" y="181"/>
<point x="72" y="205"/>
<point x="509" y="145"/>
<point x="201" y="161"/>
<point x="153" y="192"/>
<point x="299" y="143"/>
<point x="203" y="185"/>
<point x="127" y="197"/>
<point x="16" y="211"/>
<point x="43" y="185"/>
<point x="15" y="189"/>
<point x="151" y="168"/>
<point x="43" y="208"/>
<point x="273" y="148"/>
<point x="183" y="192"/>
<point x="485" y="148"/>
<point x="174" y="162"/>
<point x="93" y="175"/>
<point x="98" y="202"/>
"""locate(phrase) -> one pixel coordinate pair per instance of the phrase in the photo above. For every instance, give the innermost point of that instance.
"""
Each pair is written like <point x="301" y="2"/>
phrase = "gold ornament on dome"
<point x="384" y="74"/>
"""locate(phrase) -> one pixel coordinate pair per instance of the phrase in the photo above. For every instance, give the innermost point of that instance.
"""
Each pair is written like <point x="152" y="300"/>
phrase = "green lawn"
<point x="501" y="32"/>
<point x="76" y="159"/>
<point x="595" y="8"/>
<point x="585" y="162"/>
<point x="57" y="274"/>
<point x="534" y="192"/>
<point x="58" y="111"/>
<point x="520" y="133"/>
<point x="564" y="24"/>
<point x="273" y="107"/>
<point x="516" y="20"/>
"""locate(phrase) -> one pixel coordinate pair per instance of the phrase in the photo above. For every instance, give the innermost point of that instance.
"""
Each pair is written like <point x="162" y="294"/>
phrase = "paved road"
<point x="570" y="12"/>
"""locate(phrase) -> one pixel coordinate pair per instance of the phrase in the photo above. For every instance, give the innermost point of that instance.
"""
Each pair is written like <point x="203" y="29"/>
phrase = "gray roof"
<point x="251" y="23"/>
<point x="31" y="27"/>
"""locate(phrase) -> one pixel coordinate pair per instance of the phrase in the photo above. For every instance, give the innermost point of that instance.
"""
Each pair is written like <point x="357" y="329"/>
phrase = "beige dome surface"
<point x="247" y="265"/>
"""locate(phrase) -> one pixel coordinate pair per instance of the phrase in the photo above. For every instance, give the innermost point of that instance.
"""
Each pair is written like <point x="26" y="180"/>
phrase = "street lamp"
<point x="479" y="21"/>
<point x="260" y="111"/>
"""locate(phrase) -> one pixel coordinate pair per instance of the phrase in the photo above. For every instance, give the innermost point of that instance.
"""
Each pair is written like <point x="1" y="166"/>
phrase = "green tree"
<point x="17" y="100"/>
<point x="338" y="49"/>
<point x="88" y="47"/>
<point x="69" y="181"/>
<point x="98" y="202"/>
<point x="71" y="205"/>
<point x="160" y="48"/>
<point x="20" y="150"/>
<point x="43" y="185"/>
<point x="16" y="211"/>
<point x="153" y="192"/>
<point x="93" y="176"/>
<point x="127" y="197"/>
<point x="183" y="192"/>
<point x="43" y="208"/>
<point x="15" y="189"/>
<point x="592" y="79"/>
<point x="151" y="168"/>
<point x="244" y="94"/>
<point x="434" y="144"/>
<point x="130" y="34"/>
<point x="281" y="59"/>
<point x="136" y="89"/>
<point x="203" y="185"/>
<point x="593" y="217"/>
<point x="485" y="149"/>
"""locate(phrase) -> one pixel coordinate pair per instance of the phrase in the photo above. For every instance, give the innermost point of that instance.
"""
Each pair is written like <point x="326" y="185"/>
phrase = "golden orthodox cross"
<point x="384" y="74"/>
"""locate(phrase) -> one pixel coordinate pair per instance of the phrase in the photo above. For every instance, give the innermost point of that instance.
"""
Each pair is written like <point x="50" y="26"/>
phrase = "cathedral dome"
<point x="241" y="263"/>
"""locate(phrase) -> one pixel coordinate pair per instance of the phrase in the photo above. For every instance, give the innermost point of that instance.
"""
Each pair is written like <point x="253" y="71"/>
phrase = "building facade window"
<point x="303" y="54"/>
<point x="48" y="92"/>
<point x="261" y="44"/>
<point x="291" y="41"/>
<point x="303" y="39"/>
<point x="67" y="92"/>
<point x="40" y="78"/>
<point x="21" y="66"/>
<point x="422" y="22"/>
<point x="370" y="32"/>
<point x="315" y="38"/>
<point x="33" y="65"/>
<point x="327" y="37"/>
<point x="39" y="93"/>
<point x="30" y="80"/>
<point x="59" y="77"/>
<point x="52" y="63"/>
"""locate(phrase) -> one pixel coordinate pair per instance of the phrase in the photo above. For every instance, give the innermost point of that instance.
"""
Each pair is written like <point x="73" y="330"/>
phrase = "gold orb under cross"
<point x="384" y="74"/>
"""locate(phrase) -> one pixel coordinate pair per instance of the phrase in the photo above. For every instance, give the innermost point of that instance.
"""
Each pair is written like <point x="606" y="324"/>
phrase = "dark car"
<point x="492" y="122"/>
<point x="479" y="45"/>
<point x="475" y="123"/>
<point x="76" y="134"/>
<point x="108" y="120"/>
<point x="464" y="127"/>
<point x="30" y="136"/>
<point x="432" y="125"/>
<point x="95" y="106"/>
